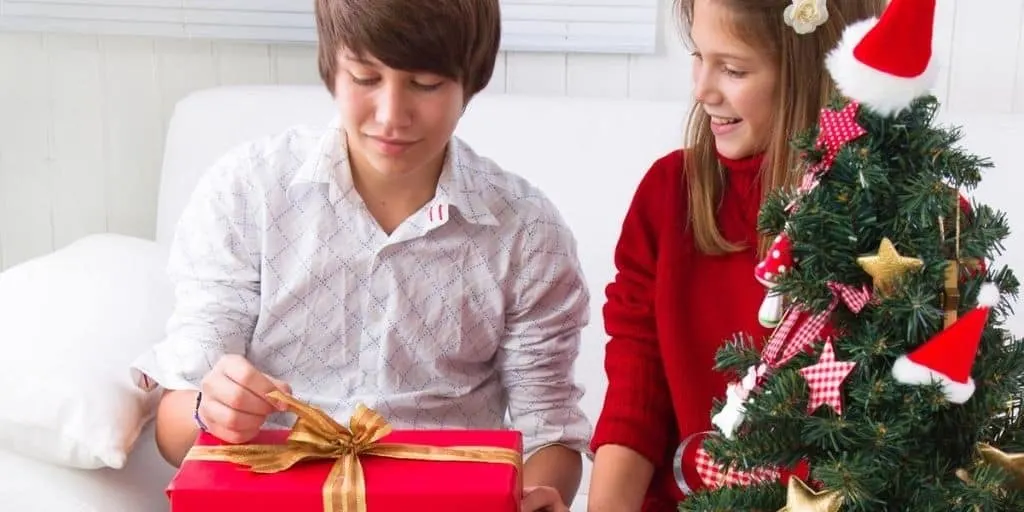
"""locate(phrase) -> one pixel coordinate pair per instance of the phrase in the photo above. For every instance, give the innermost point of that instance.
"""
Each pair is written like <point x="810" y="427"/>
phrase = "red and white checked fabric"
<point x="854" y="298"/>
<point x="825" y="379"/>
<point x="713" y="476"/>
<point x="781" y="348"/>
<point x="835" y="130"/>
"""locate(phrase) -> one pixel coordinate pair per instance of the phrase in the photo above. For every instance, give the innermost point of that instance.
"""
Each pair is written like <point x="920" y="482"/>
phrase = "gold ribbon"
<point x="316" y="436"/>
<point x="951" y="293"/>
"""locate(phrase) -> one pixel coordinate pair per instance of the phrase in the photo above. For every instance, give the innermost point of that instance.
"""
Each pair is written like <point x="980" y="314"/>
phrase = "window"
<point x="607" y="26"/>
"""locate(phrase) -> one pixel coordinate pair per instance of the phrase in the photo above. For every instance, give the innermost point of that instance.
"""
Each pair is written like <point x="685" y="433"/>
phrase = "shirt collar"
<point x="324" y="163"/>
<point x="458" y="186"/>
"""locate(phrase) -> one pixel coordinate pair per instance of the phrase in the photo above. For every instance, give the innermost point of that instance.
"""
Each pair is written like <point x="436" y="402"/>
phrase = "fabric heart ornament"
<point x="694" y="469"/>
<point x="713" y="476"/>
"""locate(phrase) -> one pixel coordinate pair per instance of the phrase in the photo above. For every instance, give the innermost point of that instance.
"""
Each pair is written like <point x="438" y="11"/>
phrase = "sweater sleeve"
<point x="637" y="410"/>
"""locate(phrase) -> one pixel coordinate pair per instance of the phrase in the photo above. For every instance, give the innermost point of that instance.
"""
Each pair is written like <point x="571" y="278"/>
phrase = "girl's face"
<point x="733" y="81"/>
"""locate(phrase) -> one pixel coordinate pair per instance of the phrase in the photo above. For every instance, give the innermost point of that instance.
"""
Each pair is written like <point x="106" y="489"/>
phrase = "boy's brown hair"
<point x="457" y="39"/>
<point x="804" y="87"/>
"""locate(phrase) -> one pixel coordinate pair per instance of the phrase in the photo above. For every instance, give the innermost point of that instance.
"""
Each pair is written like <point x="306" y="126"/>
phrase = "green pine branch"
<point x="895" y="447"/>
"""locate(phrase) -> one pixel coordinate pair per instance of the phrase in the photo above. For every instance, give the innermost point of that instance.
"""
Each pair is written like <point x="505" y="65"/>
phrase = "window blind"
<point x="605" y="26"/>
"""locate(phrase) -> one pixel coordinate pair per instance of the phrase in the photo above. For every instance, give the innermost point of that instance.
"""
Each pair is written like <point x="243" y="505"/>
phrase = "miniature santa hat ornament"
<point x="885" y="63"/>
<point x="948" y="357"/>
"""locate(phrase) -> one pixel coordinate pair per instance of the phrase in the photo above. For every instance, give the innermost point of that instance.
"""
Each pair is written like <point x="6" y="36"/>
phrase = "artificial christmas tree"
<point x="889" y="372"/>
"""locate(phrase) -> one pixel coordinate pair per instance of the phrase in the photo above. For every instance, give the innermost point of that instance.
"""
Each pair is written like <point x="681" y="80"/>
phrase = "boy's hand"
<point x="234" y="404"/>
<point x="542" y="499"/>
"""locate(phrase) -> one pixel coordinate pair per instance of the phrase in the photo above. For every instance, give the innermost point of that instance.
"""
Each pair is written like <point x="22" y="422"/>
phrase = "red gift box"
<point x="393" y="479"/>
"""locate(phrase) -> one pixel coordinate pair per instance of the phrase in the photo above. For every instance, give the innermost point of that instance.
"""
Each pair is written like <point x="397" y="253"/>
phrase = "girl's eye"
<point x="735" y="73"/>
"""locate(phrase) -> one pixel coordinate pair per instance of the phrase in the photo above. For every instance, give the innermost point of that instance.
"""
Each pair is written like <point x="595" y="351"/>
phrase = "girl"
<point x="689" y="242"/>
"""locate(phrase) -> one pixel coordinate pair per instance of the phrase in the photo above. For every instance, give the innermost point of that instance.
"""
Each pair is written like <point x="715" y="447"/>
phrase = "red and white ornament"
<point x="737" y="394"/>
<point x="965" y="205"/>
<point x="714" y="476"/>
<point x="691" y="457"/>
<point x="948" y="357"/>
<point x="836" y="129"/>
<point x="886" y="63"/>
<point x="777" y="262"/>
<point x="826" y="379"/>
<point x="974" y="266"/>
<point x="733" y="412"/>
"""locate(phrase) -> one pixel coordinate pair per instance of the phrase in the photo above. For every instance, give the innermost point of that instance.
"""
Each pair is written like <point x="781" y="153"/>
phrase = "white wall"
<point x="82" y="118"/>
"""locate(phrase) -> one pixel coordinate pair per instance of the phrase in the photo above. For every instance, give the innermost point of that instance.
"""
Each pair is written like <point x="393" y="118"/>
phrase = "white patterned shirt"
<point x="469" y="311"/>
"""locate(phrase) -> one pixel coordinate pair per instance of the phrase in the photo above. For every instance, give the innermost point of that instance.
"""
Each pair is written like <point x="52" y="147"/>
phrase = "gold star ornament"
<point x="887" y="266"/>
<point x="1011" y="463"/>
<point x="800" y="498"/>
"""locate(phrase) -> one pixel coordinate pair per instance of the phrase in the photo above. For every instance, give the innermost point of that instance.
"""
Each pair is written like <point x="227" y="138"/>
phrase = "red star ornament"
<point x="825" y="379"/>
<point x="836" y="129"/>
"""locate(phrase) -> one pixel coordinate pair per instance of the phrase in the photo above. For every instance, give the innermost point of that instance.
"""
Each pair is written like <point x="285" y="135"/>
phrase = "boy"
<point x="381" y="261"/>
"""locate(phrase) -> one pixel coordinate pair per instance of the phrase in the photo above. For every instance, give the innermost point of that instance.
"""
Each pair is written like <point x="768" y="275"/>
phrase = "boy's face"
<point x="398" y="123"/>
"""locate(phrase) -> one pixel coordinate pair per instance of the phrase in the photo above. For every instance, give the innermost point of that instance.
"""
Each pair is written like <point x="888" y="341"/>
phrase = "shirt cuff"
<point x="158" y="369"/>
<point x="574" y="436"/>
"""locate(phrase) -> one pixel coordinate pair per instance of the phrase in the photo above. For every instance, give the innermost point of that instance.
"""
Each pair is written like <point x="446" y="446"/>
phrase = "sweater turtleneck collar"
<point x="750" y="164"/>
<point x="741" y="195"/>
<point x="742" y="176"/>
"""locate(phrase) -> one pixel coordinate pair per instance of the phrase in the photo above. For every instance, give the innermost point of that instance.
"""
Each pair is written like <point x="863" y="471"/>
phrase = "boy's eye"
<point x="364" y="80"/>
<point x="370" y="80"/>
<point x="427" y="86"/>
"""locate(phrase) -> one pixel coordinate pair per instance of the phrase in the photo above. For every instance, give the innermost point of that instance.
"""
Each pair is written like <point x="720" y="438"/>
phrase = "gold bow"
<point x="316" y="436"/>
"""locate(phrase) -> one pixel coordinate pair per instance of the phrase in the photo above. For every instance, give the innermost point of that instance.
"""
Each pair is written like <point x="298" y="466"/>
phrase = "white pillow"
<point x="30" y="485"/>
<point x="70" y="324"/>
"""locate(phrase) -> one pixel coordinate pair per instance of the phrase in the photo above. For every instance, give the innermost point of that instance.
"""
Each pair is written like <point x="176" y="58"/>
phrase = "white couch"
<point x="587" y="154"/>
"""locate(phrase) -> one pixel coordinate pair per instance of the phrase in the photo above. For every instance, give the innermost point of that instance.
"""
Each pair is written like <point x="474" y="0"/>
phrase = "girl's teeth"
<point x="724" y="120"/>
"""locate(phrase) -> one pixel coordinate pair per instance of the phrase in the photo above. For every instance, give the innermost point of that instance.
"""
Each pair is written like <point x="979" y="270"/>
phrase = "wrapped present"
<point x="322" y="466"/>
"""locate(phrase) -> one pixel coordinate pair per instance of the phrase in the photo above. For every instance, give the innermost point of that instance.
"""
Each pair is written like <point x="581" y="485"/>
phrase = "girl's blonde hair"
<point x="803" y="88"/>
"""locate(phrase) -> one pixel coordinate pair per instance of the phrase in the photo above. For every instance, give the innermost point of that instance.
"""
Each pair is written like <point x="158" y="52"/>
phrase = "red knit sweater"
<point x="668" y="311"/>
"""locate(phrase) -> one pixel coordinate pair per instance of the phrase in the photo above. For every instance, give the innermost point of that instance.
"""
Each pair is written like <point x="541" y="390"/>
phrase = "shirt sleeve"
<point x="637" y="411"/>
<point x="213" y="265"/>
<point x="550" y="307"/>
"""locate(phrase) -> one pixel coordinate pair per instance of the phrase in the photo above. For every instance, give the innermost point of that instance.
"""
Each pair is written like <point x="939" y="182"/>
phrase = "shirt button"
<point x="378" y="294"/>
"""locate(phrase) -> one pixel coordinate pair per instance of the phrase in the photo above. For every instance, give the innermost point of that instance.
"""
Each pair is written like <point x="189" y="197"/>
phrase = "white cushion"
<point x="208" y="123"/>
<point x="70" y="323"/>
<point x="30" y="485"/>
